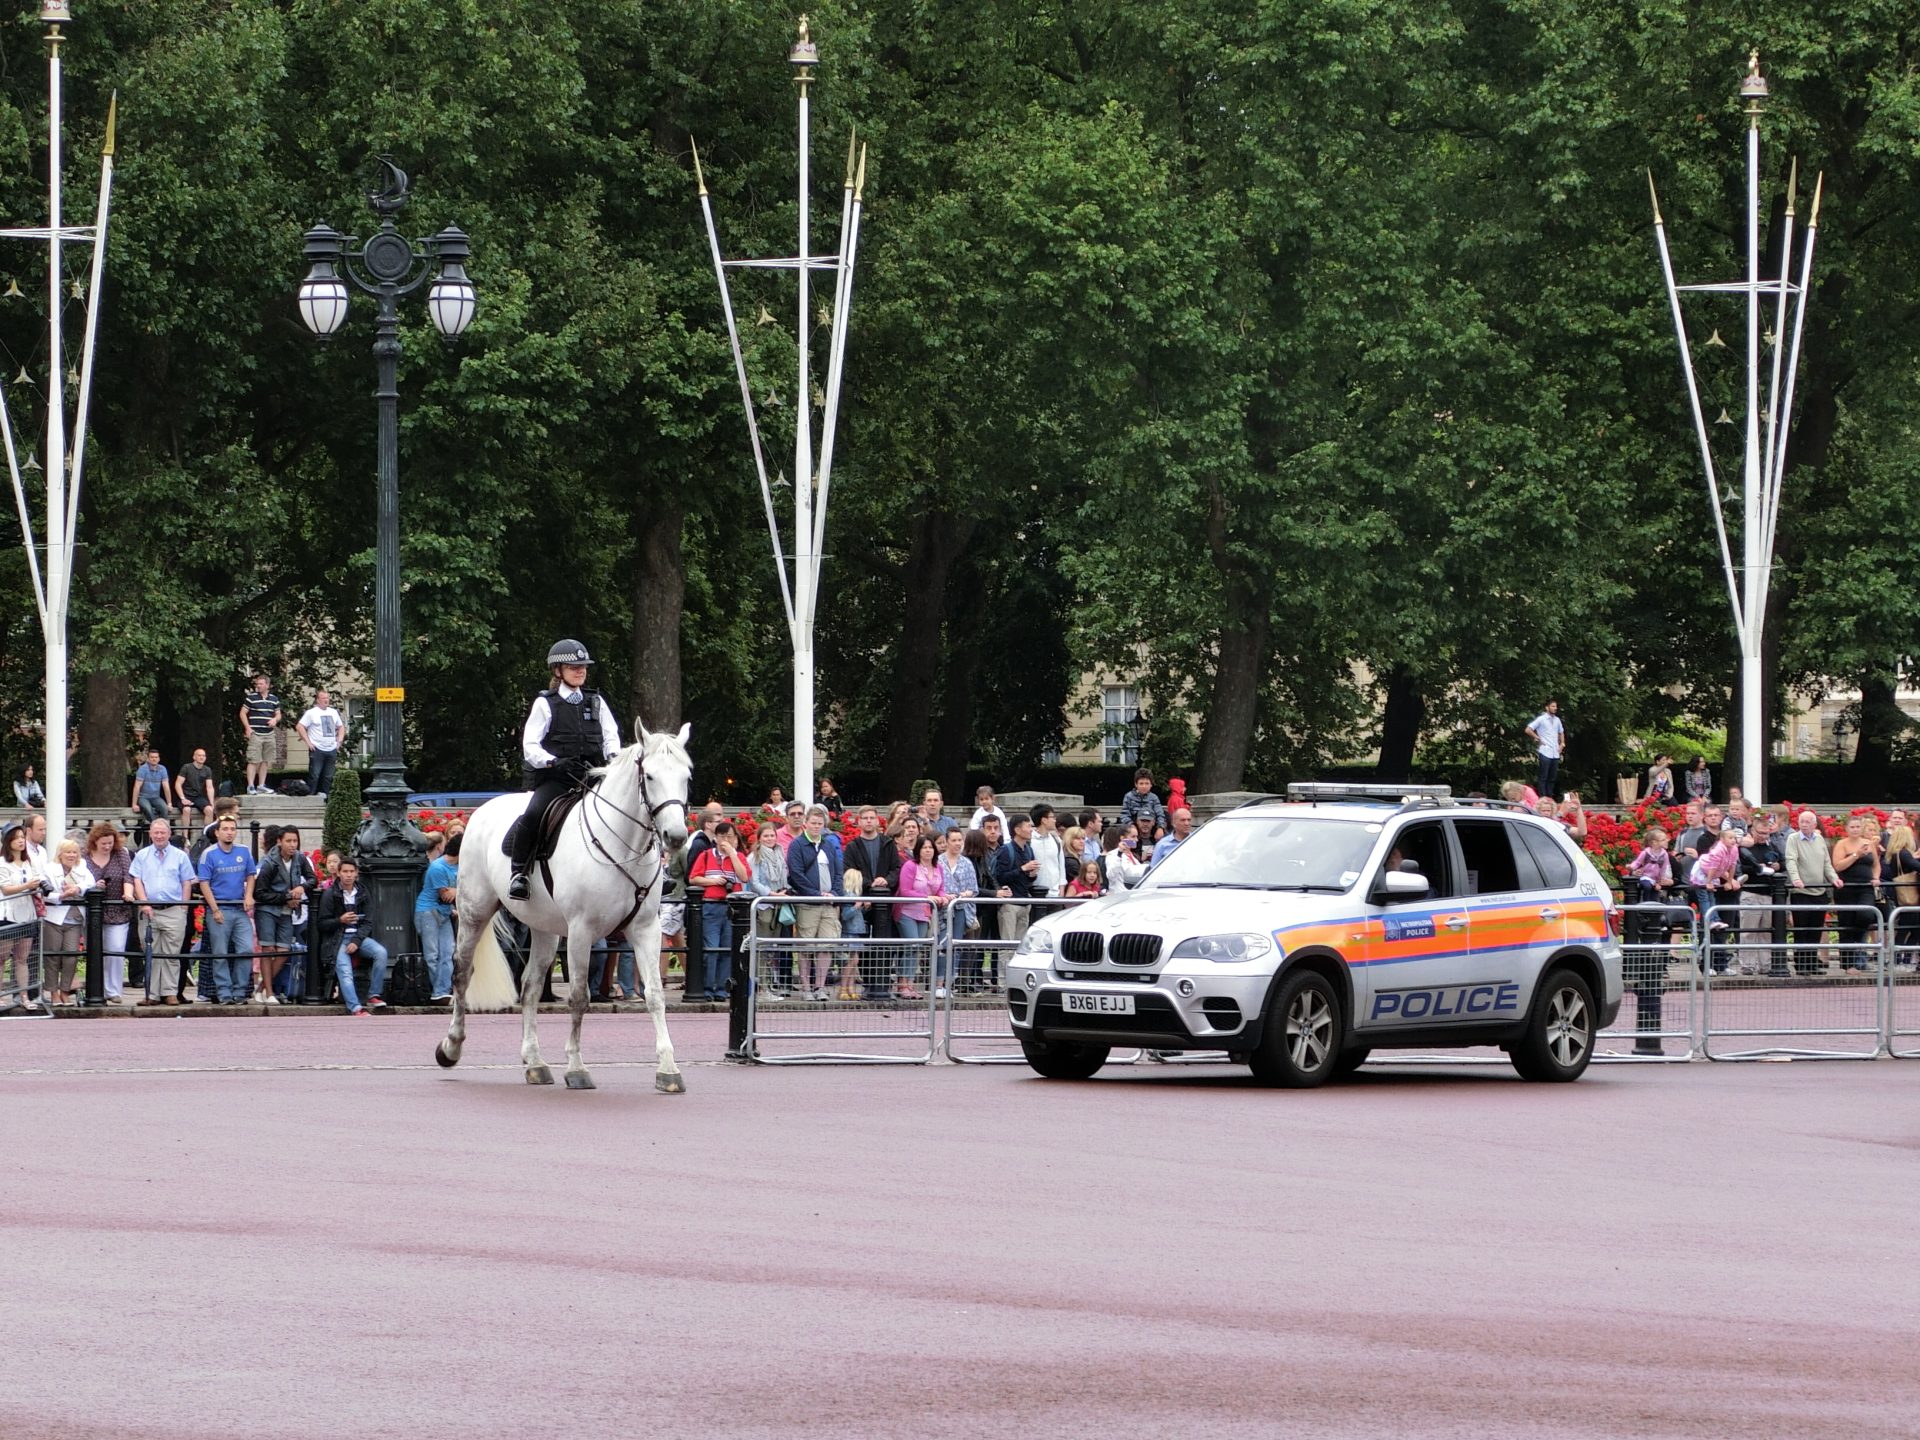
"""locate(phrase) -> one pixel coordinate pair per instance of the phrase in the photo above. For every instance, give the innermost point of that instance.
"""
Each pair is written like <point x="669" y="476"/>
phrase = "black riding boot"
<point x="517" y="887"/>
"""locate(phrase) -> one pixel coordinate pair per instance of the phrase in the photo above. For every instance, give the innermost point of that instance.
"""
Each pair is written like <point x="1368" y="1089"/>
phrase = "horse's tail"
<point x="491" y="986"/>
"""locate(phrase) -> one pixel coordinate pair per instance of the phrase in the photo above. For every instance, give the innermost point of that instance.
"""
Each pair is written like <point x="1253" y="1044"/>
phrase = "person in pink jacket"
<point x="921" y="884"/>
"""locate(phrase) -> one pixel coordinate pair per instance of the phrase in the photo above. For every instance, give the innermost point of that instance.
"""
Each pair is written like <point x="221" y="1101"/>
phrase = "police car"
<point x="1301" y="936"/>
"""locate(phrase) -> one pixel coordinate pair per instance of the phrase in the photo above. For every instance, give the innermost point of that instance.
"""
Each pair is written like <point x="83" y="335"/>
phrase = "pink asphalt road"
<point x="302" y="1228"/>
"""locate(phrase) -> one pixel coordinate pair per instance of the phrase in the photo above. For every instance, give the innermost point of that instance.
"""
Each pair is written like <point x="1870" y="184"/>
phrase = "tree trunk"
<point x="1226" y="735"/>
<point x="659" y="595"/>
<point x="1406" y="713"/>
<point x="952" y="748"/>
<point x="1881" y="720"/>
<point x="1226" y="732"/>
<point x="105" y="779"/>
<point x="937" y="542"/>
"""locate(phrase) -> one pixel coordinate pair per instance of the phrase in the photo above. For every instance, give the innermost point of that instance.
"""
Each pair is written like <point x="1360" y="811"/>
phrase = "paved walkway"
<point x="304" y="1229"/>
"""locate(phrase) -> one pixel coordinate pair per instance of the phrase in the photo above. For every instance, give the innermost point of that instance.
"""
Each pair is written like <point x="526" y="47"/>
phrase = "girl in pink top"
<point x="920" y="882"/>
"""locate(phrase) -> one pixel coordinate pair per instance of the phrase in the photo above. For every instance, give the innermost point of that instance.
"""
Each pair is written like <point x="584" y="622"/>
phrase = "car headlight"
<point x="1223" y="949"/>
<point x="1034" y="942"/>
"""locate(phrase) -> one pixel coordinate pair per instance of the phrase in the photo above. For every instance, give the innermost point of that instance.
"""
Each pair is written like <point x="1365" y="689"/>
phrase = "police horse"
<point x="608" y="865"/>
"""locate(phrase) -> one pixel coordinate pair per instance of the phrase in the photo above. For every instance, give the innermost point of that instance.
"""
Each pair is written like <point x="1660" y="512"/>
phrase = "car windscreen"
<point x="1307" y="851"/>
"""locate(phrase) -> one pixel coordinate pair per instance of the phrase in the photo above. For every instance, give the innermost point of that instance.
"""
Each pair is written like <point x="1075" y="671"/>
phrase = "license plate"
<point x="1076" y="1004"/>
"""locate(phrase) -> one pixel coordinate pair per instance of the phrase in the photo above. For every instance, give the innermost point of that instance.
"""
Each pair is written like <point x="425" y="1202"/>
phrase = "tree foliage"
<point x="1306" y="364"/>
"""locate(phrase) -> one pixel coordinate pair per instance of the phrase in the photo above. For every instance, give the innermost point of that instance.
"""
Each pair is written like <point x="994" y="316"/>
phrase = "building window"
<point x="1119" y="704"/>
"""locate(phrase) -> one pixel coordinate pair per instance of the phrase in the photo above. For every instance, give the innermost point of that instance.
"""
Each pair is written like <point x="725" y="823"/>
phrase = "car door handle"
<point x="1455" y="922"/>
<point x="1549" y="914"/>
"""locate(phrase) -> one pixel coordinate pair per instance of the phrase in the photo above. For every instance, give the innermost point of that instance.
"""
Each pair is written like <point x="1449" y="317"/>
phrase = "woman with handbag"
<point x="920" y="881"/>
<point x="112" y="866"/>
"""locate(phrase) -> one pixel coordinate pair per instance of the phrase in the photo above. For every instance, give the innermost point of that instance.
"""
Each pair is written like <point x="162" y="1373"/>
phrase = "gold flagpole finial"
<point x="1813" y="217"/>
<point x="852" y="137"/>
<point x="113" y="110"/>
<point x="699" y="178"/>
<point x="1656" y="196"/>
<point x="1793" y="182"/>
<point x="860" y="181"/>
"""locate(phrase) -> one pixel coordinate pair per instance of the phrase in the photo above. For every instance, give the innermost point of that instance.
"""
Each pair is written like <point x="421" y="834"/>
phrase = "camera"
<point x="48" y="888"/>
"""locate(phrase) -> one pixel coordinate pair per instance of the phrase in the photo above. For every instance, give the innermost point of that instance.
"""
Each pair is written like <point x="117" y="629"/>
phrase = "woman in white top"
<point x="1121" y="858"/>
<point x="19" y="879"/>
<point x="63" y="930"/>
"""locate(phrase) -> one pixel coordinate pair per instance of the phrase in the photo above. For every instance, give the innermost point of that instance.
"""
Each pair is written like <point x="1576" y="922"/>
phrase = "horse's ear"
<point x="685" y="732"/>
<point x="639" y="730"/>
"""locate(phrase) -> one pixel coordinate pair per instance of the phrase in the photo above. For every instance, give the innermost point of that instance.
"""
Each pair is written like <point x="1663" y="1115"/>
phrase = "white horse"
<point x="609" y="865"/>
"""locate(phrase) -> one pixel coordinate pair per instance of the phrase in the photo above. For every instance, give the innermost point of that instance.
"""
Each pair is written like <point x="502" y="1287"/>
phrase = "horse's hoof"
<point x="670" y="1084"/>
<point x="539" y="1075"/>
<point x="448" y="1059"/>
<point x="579" y="1080"/>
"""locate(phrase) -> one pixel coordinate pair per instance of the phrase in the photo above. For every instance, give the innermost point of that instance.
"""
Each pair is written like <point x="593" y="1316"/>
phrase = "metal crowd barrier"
<point x="1660" y="968"/>
<point x="1903" y="983"/>
<point x="22" y="993"/>
<point x="865" y="1018"/>
<point x="1803" y="998"/>
<point x="979" y="968"/>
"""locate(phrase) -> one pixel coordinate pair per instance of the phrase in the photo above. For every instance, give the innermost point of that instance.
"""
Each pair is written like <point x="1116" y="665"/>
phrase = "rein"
<point x="654" y="846"/>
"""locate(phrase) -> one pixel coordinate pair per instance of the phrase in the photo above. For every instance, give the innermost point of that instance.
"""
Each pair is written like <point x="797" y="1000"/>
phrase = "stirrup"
<point x="519" y="888"/>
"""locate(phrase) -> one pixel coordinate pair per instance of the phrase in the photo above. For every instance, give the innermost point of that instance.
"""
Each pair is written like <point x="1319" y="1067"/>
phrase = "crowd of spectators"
<point x="1767" y="885"/>
<point x="910" y="875"/>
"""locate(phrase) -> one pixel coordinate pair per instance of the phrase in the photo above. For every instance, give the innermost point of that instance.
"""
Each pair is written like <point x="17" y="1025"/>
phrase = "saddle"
<point x="548" y="823"/>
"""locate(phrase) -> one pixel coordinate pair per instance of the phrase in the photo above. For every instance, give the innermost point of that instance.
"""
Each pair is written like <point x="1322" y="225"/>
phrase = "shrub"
<point x="343" y="811"/>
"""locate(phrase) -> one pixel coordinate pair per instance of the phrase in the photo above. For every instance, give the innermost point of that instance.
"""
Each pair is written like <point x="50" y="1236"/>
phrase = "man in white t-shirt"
<point x="1549" y="736"/>
<point x="321" y="728"/>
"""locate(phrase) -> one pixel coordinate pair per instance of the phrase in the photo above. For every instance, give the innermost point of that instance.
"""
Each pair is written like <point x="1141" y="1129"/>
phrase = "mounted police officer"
<point x="568" y="730"/>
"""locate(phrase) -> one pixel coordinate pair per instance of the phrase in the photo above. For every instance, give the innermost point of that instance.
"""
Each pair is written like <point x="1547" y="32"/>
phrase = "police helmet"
<point x="568" y="652"/>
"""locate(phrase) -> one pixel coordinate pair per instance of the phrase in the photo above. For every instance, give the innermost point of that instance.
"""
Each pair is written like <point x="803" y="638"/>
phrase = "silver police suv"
<point x="1301" y="936"/>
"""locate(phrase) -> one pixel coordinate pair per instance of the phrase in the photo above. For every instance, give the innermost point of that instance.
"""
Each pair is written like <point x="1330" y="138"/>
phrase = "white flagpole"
<point x="1699" y="416"/>
<point x="811" y="486"/>
<point x="93" y="321"/>
<point x="805" y="564"/>
<point x="59" y="541"/>
<point x="1752" y="740"/>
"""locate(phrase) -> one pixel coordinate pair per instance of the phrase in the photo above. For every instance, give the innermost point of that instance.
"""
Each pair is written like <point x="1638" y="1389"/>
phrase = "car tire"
<point x="1351" y="1060"/>
<point x="1300" y="1043"/>
<point x="1558" y="1042"/>
<point x="1063" y="1059"/>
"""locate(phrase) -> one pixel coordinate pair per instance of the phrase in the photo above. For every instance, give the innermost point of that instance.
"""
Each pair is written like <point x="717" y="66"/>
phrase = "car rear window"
<point x="1556" y="866"/>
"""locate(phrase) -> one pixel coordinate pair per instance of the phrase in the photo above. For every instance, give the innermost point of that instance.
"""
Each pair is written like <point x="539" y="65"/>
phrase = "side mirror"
<point x="1401" y="885"/>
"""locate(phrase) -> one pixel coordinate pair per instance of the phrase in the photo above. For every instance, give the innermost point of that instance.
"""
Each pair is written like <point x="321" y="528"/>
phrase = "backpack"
<point x="408" y="982"/>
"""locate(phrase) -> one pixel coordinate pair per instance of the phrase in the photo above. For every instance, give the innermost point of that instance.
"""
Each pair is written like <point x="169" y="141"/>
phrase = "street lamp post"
<point x="390" y="849"/>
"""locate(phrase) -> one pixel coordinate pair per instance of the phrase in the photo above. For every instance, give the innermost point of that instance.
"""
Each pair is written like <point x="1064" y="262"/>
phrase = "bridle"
<point x="648" y="823"/>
